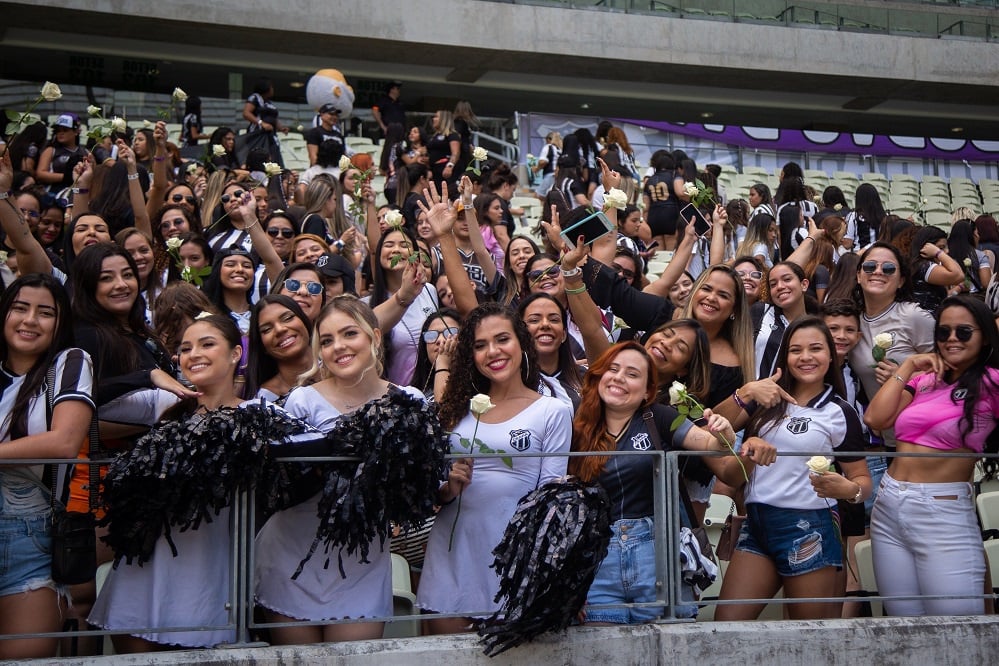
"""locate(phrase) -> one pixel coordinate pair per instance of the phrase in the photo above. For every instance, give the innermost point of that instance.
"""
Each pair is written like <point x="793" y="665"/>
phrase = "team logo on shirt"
<point x="958" y="394"/>
<point x="798" y="425"/>
<point x="641" y="442"/>
<point x="520" y="440"/>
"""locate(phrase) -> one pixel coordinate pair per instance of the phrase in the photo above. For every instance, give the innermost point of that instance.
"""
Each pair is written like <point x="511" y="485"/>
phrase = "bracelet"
<point x="856" y="498"/>
<point x="398" y="299"/>
<point x="807" y="238"/>
<point x="449" y="164"/>
<point x="4" y="195"/>
<point x="937" y="255"/>
<point x="578" y="290"/>
<point x="573" y="273"/>
<point x="899" y="378"/>
<point x="81" y="190"/>
<point x="133" y="176"/>
<point x="748" y="407"/>
<point x="157" y="158"/>
<point x="441" y="370"/>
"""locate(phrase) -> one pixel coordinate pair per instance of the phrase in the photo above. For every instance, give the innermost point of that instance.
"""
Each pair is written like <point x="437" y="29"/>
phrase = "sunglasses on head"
<point x="962" y="331"/>
<point x="431" y="336"/>
<point x="536" y="274"/>
<point x="887" y="267"/>
<point x="756" y="275"/>
<point x="235" y="196"/>
<point x="314" y="288"/>
<point x="274" y="232"/>
<point x="177" y="198"/>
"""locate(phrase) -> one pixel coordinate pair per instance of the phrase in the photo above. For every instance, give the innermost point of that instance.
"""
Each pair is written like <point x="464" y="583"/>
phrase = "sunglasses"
<point x="314" y="288"/>
<point x="274" y="232"/>
<point x="887" y="267"/>
<point x="176" y="222"/>
<point x="756" y="275"/>
<point x="962" y="331"/>
<point x="237" y="195"/>
<point x="431" y="336"/>
<point x="536" y="275"/>
<point x="177" y="198"/>
<point x="625" y="273"/>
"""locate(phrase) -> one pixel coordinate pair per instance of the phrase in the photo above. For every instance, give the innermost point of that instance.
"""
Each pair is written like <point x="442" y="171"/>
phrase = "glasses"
<point x="177" y="222"/>
<point x="237" y="195"/>
<point x="274" y="232"/>
<point x="177" y="198"/>
<point x="887" y="267"/>
<point x="536" y="275"/>
<point x="33" y="214"/>
<point x="962" y="331"/>
<point x="625" y="273"/>
<point x="756" y="275"/>
<point x="431" y="336"/>
<point x="314" y="288"/>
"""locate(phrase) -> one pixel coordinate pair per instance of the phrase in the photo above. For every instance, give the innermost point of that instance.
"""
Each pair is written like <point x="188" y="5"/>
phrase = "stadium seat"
<point x="403" y="602"/>
<point x="865" y="572"/>
<point x="988" y="510"/>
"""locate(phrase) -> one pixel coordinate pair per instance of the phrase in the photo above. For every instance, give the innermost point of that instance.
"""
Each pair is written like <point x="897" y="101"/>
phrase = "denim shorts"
<point x="25" y="553"/>
<point x="628" y="575"/>
<point x="798" y="541"/>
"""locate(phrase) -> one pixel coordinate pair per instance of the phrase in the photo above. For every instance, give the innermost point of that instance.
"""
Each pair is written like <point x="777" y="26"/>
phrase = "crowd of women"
<point x="162" y="291"/>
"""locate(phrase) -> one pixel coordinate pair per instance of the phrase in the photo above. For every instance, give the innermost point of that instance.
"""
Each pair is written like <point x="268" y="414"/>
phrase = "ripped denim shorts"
<point x="25" y="539"/>
<point x="798" y="541"/>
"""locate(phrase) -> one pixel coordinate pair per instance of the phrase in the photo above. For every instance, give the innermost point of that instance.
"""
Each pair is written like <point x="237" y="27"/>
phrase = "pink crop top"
<point x="932" y="418"/>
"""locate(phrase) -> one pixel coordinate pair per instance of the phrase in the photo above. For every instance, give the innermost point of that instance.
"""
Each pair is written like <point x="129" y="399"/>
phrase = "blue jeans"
<point x="925" y="540"/>
<point x="628" y="575"/>
<point x="25" y="553"/>
<point x="798" y="541"/>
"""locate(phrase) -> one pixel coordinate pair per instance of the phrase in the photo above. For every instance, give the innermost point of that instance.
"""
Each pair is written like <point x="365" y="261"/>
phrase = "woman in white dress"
<point x="348" y="343"/>
<point x="498" y="353"/>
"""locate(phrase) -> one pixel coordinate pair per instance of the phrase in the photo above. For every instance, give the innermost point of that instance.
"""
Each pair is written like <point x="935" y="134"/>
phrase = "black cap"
<point x="329" y="108"/>
<point x="335" y="266"/>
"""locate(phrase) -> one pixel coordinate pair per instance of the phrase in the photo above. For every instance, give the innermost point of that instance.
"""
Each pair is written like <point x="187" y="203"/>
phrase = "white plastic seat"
<point x="403" y="602"/>
<point x="865" y="571"/>
<point x="988" y="510"/>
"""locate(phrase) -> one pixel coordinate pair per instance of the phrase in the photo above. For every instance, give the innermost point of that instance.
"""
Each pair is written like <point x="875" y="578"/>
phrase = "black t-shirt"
<point x="659" y="190"/>
<point x="316" y="135"/>
<point x="628" y="480"/>
<point x="392" y="110"/>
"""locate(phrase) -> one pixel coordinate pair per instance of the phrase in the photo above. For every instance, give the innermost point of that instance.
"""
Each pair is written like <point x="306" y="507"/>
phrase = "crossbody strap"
<point x="650" y="424"/>
<point x="51" y="474"/>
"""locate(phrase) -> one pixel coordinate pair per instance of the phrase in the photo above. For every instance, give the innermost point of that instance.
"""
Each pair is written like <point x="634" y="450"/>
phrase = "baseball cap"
<point x="69" y="120"/>
<point x="329" y="108"/>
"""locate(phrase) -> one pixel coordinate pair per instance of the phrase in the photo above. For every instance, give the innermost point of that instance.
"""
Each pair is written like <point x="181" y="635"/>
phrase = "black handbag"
<point x="696" y="528"/>
<point x="74" y="540"/>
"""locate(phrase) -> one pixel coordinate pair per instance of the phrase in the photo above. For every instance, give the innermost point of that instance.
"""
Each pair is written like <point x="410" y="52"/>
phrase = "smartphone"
<point x="592" y="227"/>
<point x="114" y="152"/>
<point x="701" y="224"/>
<point x="654" y="245"/>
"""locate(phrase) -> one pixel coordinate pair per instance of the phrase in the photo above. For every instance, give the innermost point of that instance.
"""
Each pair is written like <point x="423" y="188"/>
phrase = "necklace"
<point x="620" y="434"/>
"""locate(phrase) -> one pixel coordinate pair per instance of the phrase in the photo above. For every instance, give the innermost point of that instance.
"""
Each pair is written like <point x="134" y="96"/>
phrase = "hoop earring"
<point x="527" y="366"/>
<point x="732" y="316"/>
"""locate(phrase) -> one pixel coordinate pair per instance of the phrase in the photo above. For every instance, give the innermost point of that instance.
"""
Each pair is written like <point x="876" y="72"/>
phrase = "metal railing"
<point x="667" y="522"/>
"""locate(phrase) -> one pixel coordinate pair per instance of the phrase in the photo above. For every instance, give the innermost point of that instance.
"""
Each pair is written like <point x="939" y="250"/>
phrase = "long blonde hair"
<point x="365" y="319"/>
<point x="319" y="191"/>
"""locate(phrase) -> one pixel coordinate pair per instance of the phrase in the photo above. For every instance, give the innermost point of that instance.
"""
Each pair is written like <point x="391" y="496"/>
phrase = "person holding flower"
<point x="56" y="161"/>
<point x="616" y="414"/>
<point x="791" y="537"/>
<point x="925" y="535"/>
<point x="495" y="350"/>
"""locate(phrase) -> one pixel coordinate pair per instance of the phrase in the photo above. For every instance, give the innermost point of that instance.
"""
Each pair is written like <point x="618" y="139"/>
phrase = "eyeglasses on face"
<point x="536" y="274"/>
<point x="962" y="331"/>
<point x="431" y="336"/>
<point x="274" y="232"/>
<point x="756" y="275"/>
<point x="235" y="196"/>
<point x="293" y="285"/>
<point x="625" y="273"/>
<point x="176" y="222"/>
<point x="887" y="267"/>
<point x="177" y="198"/>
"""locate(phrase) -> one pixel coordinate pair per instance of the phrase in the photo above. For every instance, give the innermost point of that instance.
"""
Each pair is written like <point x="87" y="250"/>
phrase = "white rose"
<point x="147" y="125"/>
<point x="3" y="257"/>
<point x="93" y="111"/>
<point x="480" y="404"/>
<point x="393" y="218"/>
<point x="179" y="95"/>
<point x="677" y="392"/>
<point x="119" y="124"/>
<point x="218" y="150"/>
<point x="819" y="464"/>
<point x="883" y="340"/>
<point x="272" y="169"/>
<point x="344" y="163"/>
<point x="530" y="156"/>
<point x="50" y="92"/>
<point x="690" y="190"/>
<point x="192" y="167"/>
<point x="299" y="128"/>
<point x="174" y="243"/>
<point x="838" y="207"/>
<point x="479" y="154"/>
<point x="615" y="198"/>
<point x="967" y="262"/>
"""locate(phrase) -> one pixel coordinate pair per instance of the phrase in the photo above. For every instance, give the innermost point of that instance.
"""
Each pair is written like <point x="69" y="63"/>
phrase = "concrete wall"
<point x="936" y="641"/>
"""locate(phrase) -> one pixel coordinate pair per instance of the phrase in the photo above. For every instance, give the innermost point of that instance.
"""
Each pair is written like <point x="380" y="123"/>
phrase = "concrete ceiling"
<point x="498" y="82"/>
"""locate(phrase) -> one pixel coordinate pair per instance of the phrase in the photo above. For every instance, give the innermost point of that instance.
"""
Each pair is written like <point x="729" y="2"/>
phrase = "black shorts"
<point x="663" y="220"/>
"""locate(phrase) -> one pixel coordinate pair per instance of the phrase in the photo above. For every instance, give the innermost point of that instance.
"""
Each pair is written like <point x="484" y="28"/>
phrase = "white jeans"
<point x="924" y="544"/>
